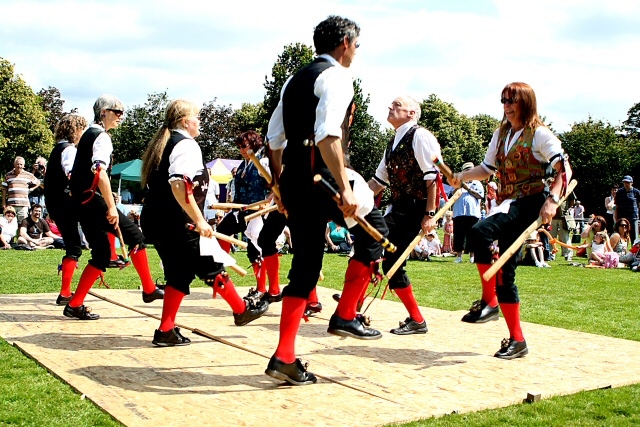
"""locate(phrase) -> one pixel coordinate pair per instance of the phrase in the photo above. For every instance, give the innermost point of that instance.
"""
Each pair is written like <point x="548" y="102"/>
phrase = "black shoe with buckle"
<point x="271" y="298"/>
<point x="252" y="311"/>
<point x="157" y="294"/>
<point x="352" y="328"/>
<point x="312" y="309"/>
<point x="254" y="294"/>
<point x="170" y="338"/>
<point x="410" y="326"/>
<point x="512" y="349"/>
<point x="82" y="312"/>
<point x="118" y="263"/>
<point x="294" y="373"/>
<point x="63" y="300"/>
<point x="481" y="312"/>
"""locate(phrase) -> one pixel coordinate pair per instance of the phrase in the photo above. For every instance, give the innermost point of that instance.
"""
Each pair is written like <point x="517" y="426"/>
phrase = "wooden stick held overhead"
<point x="515" y="246"/>
<point x="373" y="232"/>
<point x="416" y="239"/>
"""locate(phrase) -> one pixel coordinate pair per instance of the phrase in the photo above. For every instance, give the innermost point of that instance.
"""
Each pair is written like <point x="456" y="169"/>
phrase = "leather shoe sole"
<point x="294" y="373"/>
<point x="352" y="328"/>
<point x="157" y="294"/>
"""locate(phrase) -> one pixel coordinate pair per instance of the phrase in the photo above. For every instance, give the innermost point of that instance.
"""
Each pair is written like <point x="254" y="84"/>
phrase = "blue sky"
<point x="581" y="57"/>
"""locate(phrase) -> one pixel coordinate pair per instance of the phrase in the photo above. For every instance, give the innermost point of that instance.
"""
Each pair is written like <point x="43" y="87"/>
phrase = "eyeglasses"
<point x="118" y="113"/>
<point x="509" y="101"/>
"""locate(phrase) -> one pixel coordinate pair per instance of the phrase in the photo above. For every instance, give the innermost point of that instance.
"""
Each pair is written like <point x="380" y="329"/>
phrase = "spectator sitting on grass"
<point x="8" y="227"/>
<point x="428" y="246"/>
<point x="35" y="232"/>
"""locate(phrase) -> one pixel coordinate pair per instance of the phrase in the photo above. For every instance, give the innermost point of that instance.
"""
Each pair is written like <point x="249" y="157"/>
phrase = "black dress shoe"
<point x="271" y="298"/>
<point x="82" y="312"/>
<point x="294" y="373"/>
<point x="409" y="327"/>
<point x="252" y="311"/>
<point x="63" y="300"/>
<point x="481" y="312"/>
<point x="512" y="349"/>
<point x="336" y="297"/>
<point x="312" y="309"/>
<point x="170" y="338"/>
<point x="254" y="294"/>
<point x="352" y="328"/>
<point x="157" y="294"/>
<point x="119" y="262"/>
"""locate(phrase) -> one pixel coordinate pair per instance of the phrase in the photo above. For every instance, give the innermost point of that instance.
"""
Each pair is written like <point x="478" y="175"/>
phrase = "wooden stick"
<point x="265" y="173"/>
<point x="373" y="232"/>
<point x="446" y="171"/>
<point x="260" y="213"/>
<point x="123" y="248"/>
<point x="221" y="236"/>
<point x="241" y="271"/>
<point x="256" y="205"/>
<point x="228" y="206"/>
<point x="515" y="246"/>
<point x="416" y="239"/>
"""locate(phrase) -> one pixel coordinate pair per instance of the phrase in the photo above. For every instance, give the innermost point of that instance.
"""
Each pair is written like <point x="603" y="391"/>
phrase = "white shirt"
<point x="425" y="146"/>
<point x="102" y="147"/>
<point x="334" y="88"/>
<point x="67" y="157"/>
<point x="186" y="157"/>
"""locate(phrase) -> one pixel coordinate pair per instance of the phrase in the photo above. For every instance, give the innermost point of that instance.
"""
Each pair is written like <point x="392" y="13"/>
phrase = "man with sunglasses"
<point x="518" y="154"/>
<point x="92" y="197"/>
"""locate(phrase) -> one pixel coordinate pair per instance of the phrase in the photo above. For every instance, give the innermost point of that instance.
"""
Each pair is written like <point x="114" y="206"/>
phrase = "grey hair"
<point x="413" y="105"/>
<point x="105" y="102"/>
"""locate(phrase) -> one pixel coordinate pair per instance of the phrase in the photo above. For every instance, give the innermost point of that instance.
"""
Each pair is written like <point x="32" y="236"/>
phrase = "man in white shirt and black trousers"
<point x="307" y="136"/>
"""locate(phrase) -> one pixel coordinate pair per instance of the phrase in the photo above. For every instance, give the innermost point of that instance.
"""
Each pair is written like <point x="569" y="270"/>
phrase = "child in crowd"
<point x="429" y="246"/>
<point x="535" y="247"/>
<point x="599" y="247"/>
<point x="447" y="241"/>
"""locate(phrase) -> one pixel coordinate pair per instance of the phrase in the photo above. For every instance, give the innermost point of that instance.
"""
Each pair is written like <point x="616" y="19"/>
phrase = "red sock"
<point x="409" y="301"/>
<point x="272" y="265"/>
<point x="224" y="286"/>
<point x="356" y="280"/>
<point x="313" y="297"/>
<point x="511" y="313"/>
<point x="112" y="245"/>
<point x="488" y="286"/>
<point x="292" y="311"/>
<point x="141" y="263"/>
<point x="226" y="246"/>
<point x="261" y="276"/>
<point x="89" y="275"/>
<point x="170" y="306"/>
<point x="69" y="266"/>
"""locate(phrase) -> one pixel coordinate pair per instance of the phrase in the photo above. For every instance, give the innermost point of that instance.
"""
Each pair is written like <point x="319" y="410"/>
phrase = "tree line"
<point x="600" y="154"/>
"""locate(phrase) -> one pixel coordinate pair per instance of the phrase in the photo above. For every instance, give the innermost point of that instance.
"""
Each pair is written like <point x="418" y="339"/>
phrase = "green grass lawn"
<point x="603" y="302"/>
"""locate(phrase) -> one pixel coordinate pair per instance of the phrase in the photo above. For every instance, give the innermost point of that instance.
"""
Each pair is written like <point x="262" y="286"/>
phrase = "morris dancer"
<point x="518" y="153"/>
<point x="56" y="191"/>
<point x="251" y="187"/>
<point x="177" y="183"/>
<point x="307" y="137"/>
<point x="407" y="169"/>
<point x="92" y="197"/>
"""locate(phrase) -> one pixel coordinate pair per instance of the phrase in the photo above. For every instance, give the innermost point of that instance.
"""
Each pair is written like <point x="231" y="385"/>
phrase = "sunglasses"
<point x="509" y="101"/>
<point x="118" y="113"/>
<point x="623" y="225"/>
<point x="10" y="214"/>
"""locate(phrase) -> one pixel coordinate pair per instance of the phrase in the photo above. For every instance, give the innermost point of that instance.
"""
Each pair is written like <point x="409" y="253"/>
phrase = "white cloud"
<point x="579" y="56"/>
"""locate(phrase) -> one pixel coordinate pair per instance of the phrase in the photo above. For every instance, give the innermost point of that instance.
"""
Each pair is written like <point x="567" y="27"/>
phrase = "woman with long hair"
<point x="518" y="154"/>
<point x="176" y="181"/>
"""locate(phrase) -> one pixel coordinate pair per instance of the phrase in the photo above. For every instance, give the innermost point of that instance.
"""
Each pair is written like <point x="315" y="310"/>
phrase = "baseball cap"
<point x="627" y="178"/>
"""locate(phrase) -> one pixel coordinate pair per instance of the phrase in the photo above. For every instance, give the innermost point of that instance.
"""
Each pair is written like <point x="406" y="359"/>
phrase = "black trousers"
<point x="309" y="209"/>
<point x="505" y="228"/>
<point x="404" y="223"/>
<point x="93" y="219"/>
<point x="66" y="218"/>
<point x="274" y="223"/>
<point x="233" y="223"/>
<point x="461" y="228"/>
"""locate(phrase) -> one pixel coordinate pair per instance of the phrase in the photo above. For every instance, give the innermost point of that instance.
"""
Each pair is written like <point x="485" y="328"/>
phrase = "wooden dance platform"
<point x="219" y="379"/>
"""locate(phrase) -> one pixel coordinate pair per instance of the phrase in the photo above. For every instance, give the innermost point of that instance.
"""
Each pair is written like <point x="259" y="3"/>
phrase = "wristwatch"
<point x="430" y="214"/>
<point x="554" y="197"/>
